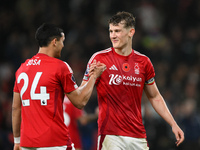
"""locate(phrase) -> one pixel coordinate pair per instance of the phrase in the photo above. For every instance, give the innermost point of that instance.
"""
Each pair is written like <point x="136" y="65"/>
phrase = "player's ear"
<point x="54" y="41"/>
<point x="132" y="32"/>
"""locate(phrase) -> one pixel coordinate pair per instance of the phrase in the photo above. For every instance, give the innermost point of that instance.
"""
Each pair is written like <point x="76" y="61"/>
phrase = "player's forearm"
<point x="161" y="108"/>
<point x="16" y="114"/>
<point x="16" y="121"/>
<point x="86" y="91"/>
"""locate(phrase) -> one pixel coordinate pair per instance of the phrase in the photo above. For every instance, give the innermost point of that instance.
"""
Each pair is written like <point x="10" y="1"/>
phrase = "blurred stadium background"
<point x="167" y="31"/>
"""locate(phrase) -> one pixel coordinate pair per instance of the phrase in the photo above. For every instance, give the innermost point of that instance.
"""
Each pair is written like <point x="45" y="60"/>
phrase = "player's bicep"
<point x="74" y="97"/>
<point x="16" y="100"/>
<point x="151" y="90"/>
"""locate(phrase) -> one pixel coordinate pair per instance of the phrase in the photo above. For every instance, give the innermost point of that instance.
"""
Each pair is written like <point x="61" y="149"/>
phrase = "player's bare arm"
<point x="80" y="96"/>
<point x="16" y="118"/>
<point x="161" y="108"/>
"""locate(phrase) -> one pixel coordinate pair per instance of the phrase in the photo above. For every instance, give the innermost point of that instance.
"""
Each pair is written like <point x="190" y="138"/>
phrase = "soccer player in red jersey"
<point x="72" y="116"/>
<point x="120" y="89"/>
<point x="40" y="85"/>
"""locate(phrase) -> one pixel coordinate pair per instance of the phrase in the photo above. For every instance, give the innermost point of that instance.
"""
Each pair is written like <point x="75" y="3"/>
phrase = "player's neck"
<point x="46" y="50"/>
<point x="124" y="51"/>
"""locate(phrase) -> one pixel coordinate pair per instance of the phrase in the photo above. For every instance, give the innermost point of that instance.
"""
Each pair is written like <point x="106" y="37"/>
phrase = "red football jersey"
<point x="42" y="82"/>
<point x="119" y="90"/>
<point x="71" y="116"/>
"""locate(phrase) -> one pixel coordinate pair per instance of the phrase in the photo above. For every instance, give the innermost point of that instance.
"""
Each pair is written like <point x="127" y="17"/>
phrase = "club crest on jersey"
<point x="126" y="67"/>
<point x="136" y="68"/>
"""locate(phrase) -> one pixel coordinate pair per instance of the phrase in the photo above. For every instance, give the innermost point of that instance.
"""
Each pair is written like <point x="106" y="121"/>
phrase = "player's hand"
<point x="17" y="146"/>
<point x="178" y="134"/>
<point x="92" y="67"/>
<point x="97" y="68"/>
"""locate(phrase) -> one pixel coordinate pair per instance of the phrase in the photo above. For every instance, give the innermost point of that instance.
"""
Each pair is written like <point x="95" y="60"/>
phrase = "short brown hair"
<point x="128" y="18"/>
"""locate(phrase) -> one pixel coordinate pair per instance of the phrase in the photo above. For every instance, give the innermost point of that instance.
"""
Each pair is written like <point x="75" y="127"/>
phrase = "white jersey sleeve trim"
<point x="99" y="52"/>
<point x="70" y="69"/>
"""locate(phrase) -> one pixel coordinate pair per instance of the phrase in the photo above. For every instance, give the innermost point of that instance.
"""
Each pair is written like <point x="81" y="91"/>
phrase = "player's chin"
<point x="58" y="55"/>
<point x="116" y="47"/>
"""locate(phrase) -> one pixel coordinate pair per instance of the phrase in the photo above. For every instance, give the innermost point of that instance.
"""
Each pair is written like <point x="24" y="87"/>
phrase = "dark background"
<point x="167" y="31"/>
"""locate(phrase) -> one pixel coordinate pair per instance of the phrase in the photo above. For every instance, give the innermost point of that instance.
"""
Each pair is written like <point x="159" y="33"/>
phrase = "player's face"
<point x="60" y="45"/>
<point x="119" y="36"/>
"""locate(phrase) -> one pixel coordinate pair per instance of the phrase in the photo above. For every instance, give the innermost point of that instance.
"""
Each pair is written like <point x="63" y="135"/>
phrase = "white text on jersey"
<point x="33" y="62"/>
<point x="127" y="80"/>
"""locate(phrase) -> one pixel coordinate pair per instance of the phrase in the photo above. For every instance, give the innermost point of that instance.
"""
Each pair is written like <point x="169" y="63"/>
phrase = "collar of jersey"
<point x="121" y="56"/>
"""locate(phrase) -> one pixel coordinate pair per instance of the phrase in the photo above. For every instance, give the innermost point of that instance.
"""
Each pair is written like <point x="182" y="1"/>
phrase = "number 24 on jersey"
<point x="43" y="96"/>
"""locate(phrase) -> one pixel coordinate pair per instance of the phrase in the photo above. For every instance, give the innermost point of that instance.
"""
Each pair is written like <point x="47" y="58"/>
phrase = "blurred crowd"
<point x="167" y="31"/>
